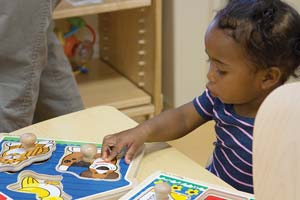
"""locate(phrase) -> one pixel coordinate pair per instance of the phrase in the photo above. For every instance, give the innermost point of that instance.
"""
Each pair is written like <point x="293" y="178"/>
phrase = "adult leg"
<point x="23" y="32"/>
<point x="58" y="90"/>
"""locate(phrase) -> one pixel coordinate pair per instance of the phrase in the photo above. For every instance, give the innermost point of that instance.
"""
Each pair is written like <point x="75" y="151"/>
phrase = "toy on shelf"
<point x="79" y="52"/>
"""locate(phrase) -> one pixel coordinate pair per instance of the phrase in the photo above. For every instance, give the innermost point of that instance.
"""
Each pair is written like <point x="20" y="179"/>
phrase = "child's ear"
<point x="271" y="77"/>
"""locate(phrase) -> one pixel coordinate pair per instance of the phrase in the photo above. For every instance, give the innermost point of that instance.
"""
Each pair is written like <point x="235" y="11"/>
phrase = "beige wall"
<point x="185" y="66"/>
<point x="295" y="3"/>
<point x="184" y="59"/>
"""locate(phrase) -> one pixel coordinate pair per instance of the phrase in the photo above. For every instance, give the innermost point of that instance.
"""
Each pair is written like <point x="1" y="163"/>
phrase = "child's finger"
<point x="122" y="153"/>
<point x="130" y="154"/>
<point x="115" y="151"/>
<point x="105" y="151"/>
<point x="107" y="144"/>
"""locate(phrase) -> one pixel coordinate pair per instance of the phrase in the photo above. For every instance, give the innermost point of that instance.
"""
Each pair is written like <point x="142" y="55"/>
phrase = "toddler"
<point x="253" y="47"/>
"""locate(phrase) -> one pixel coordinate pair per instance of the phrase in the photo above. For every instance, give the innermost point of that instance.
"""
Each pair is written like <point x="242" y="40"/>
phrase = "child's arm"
<point x="169" y="125"/>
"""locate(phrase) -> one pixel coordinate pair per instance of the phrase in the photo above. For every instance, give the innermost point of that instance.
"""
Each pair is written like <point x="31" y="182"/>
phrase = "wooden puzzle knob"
<point x="28" y="141"/>
<point x="162" y="191"/>
<point x="88" y="151"/>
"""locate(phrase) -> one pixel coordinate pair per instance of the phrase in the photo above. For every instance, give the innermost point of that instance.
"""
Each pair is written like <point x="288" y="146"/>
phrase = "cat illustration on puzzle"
<point x="16" y="155"/>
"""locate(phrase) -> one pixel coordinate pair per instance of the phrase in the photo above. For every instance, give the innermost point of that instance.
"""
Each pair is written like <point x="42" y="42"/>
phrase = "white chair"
<point x="276" y="145"/>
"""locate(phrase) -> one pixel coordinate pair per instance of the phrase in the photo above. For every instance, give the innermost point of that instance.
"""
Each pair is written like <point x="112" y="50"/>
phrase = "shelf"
<point x="64" y="9"/>
<point x="145" y="110"/>
<point x="102" y="85"/>
<point x="130" y="77"/>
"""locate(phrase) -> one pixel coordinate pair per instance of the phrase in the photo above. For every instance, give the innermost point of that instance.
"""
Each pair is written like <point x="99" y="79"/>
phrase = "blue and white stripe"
<point x="232" y="157"/>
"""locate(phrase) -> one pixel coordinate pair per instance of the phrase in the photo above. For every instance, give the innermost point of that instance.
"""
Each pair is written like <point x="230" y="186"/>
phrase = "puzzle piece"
<point x="75" y="161"/>
<point x="214" y="198"/>
<point x="15" y="155"/>
<point x="182" y="189"/>
<point x="100" y="180"/>
<point x="43" y="186"/>
<point x="28" y="141"/>
<point x="162" y="191"/>
<point x="88" y="152"/>
<point x="4" y="197"/>
<point x="215" y="194"/>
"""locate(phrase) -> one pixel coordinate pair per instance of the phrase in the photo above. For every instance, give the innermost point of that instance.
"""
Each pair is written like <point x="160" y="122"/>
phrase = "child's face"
<point x="231" y="77"/>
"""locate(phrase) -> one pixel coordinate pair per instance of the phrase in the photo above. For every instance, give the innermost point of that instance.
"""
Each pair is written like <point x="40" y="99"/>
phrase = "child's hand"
<point x="130" y="141"/>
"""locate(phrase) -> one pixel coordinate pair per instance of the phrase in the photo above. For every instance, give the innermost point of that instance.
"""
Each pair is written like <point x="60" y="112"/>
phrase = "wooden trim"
<point x="64" y="9"/>
<point x="157" y="94"/>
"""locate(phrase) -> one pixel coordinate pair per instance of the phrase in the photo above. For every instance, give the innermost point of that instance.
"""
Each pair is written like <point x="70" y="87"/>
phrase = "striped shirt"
<point x="232" y="157"/>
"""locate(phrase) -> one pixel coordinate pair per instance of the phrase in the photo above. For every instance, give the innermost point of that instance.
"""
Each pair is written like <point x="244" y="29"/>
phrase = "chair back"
<point x="276" y="145"/>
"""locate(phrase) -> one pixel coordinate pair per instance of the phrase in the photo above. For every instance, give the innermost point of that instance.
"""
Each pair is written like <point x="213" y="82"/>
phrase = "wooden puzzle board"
<point x="183" y="189"/>
<point x="57" y="171"/>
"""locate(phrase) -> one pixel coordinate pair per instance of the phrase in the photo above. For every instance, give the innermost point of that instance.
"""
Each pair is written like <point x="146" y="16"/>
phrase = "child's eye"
<point x="218" y="70"/>
<point x="221" y="72"/>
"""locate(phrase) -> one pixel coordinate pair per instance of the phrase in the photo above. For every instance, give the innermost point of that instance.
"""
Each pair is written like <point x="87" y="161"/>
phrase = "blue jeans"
<point x="36" y="80"/>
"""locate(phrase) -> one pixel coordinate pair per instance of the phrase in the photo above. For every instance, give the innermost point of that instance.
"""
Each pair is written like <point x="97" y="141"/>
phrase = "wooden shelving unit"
<point x="105" y="86"/>
<point x="64" y="9"/>
<point x="127" y="74"/>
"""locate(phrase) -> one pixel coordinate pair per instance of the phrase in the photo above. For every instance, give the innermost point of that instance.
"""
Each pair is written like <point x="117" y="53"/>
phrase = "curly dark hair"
<point x="269" y="31"/>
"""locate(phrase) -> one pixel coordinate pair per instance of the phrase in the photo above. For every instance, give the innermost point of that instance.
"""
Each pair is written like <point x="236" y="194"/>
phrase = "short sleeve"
<point x="204" y="105"/>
